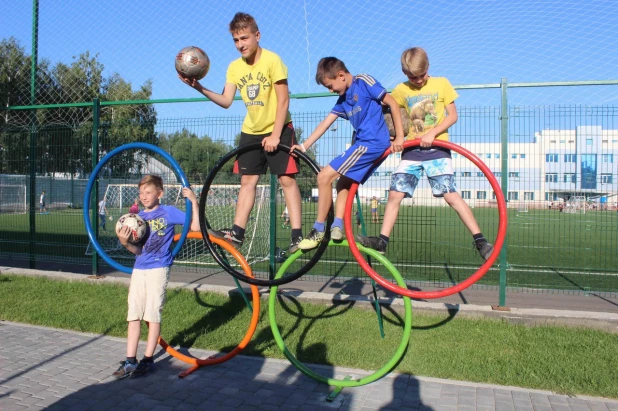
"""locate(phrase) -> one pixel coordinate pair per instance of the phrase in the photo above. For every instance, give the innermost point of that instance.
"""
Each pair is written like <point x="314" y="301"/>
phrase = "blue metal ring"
<point x="179" y="173"/>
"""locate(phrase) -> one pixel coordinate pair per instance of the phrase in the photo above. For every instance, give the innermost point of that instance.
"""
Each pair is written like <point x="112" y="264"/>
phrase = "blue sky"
<point x="470" y="42"/>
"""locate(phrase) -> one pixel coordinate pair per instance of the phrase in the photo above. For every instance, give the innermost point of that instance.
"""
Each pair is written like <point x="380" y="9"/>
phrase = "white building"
<point x="556" y="165"/>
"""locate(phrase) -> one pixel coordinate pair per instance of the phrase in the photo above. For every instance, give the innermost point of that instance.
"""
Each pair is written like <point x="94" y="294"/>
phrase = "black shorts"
<point x="256" y="162"/>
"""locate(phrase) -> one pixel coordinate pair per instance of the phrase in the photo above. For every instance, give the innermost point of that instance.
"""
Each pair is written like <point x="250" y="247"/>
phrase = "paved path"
<point x="65" y="370"/>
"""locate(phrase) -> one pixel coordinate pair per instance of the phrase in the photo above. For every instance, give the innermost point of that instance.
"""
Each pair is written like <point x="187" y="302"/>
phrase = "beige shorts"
<point x="147" y="294"/>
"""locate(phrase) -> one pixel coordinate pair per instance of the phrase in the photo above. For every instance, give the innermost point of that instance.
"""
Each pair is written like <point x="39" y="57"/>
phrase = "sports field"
<point x="546" y="249"/>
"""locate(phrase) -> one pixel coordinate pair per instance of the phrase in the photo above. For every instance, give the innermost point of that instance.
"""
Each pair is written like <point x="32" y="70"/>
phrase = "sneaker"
<point x="125" y="370"/>
<point x="294" y="245"/>
<point x="314" y="239"/>
<point x="336" y="233"/>
<point x="228" y="235"/>
<point x="484" y="248"/>
<point x="143" y="368"/>
<point x="375" y="243"/>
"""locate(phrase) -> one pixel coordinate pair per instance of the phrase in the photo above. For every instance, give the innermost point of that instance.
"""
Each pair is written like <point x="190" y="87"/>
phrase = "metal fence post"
<point x="33" y="133"/>
<point x="504" y="138"/>
<point x="94" y="197"/>
<point x="273" y="226"/>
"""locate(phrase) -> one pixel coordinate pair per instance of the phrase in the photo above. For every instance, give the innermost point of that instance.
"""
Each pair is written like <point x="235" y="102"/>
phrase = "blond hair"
<point x="328" y="67"/>
<point x="414" y="62"/>
<point x="243" y="21"/>
<point x="152" y="179"/>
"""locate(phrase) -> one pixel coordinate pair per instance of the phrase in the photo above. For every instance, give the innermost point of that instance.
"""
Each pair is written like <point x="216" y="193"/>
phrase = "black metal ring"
<point x="204" y="226"/>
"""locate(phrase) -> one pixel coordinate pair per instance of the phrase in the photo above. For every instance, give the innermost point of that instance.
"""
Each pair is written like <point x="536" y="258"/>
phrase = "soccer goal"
<point x="575" y="205"/>
<point x="13" y="199"/>
<point x="522" y="207"/>
<point x="220" y="211"/>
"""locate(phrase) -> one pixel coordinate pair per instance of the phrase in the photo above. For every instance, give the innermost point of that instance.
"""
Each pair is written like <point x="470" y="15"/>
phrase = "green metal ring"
<point x="333" y="381"/>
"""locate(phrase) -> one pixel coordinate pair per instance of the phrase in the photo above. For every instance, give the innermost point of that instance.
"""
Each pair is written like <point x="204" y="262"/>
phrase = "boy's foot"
<point x="143" y="368"/>
<point x="125" y="370"/>
<point x="314" y="239"/>
<point x="375" y="243"/>
<point x="294" y="245"/>
<point x="336" y="233"/>
<point x="484" y="248"/>
<point x="228" y="235"/>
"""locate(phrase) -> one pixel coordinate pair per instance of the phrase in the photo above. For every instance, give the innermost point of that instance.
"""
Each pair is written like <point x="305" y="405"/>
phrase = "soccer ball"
<point x="192" y="62"/>
<point x="137" y="225"/>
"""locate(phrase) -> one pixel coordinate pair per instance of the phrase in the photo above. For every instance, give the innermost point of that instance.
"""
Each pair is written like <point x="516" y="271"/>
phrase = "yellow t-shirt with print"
<point x="256" y="85"/>
<point x="426" y="105"/>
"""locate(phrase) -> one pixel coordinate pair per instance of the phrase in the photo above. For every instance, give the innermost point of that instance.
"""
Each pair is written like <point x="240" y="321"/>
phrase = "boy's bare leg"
<point x="343" y="189"/>
<point x="291" y="194"/>
<point x="133" y="333"/>
<point x="464" y="211"/>
<point x="325" y="191"/>
<point x="392" y="211"/>
<point x="246" y="199"/>
<point x="154" y="330"/>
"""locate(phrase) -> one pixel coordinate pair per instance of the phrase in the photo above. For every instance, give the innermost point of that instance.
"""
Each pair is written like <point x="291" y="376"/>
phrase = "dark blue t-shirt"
<point x="361" y="105"/>
<point x="156" y="251"/>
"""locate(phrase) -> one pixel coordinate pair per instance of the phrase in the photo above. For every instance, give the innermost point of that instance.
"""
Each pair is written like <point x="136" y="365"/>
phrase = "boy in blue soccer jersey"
<point x="360" y="100"/>
<point x="151" y="271"/>
<point x="430" y="103"/>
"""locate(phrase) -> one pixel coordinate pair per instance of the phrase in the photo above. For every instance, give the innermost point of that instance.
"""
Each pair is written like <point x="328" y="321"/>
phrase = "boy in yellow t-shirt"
<point x="430" y="103"/>
<point x="262" y="80"/>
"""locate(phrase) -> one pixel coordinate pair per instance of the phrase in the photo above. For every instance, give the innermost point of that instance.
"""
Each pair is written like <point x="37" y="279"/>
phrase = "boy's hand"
<point x="298" y="147"/>
<point x="428" y="138"/>
<point x="397" y="145"/>
<point x="188" y="193"/>
<point x="192" y="82"/>
<point x="270" y="143"/>
<point x="123" y="235"/>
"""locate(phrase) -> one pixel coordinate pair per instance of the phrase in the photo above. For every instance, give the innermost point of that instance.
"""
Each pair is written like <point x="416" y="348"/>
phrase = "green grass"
<point x="561" y="359"/>
<point x="546" y="249"/>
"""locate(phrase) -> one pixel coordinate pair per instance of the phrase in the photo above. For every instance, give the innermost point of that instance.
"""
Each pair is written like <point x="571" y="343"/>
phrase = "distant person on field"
<point x="135" y="207"/>
<point x="374" y="210"/>
<point x="150" y="271"/>
<point x="430" y="103"/>
<point x="42" y="208"/>
<point x="102" y="214"/>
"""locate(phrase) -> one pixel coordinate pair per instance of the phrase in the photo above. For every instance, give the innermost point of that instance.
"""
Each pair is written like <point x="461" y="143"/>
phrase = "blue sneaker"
<point x="125" y="370"/>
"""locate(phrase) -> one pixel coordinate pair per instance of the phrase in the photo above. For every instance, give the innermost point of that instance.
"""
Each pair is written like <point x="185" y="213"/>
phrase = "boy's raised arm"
<point x="225" y="99"/>
<point x="397" y="144"/>
<point x="195" y="212"/>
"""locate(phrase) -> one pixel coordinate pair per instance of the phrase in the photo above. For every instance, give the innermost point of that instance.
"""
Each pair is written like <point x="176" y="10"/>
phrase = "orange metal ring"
<point x="197" y="362"/>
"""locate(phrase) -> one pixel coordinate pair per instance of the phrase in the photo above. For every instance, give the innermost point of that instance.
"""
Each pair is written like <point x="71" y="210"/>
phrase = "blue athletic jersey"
<point x="361" y="105"/>
<point x="156" y="251"/>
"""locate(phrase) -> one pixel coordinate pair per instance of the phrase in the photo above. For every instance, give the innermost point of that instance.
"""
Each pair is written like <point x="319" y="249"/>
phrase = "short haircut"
<point x="328" y="68"/>
<point x="243" y="21"/>
<point x="152" y="179"/>
<point x="414" y="61"/>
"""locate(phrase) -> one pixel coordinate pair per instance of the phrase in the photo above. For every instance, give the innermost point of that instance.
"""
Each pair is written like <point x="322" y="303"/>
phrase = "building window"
<point x="498" y="173"/>
<point x="606" y="179"/>
<point x="513" y="155"/>
<point x="562" y="141"/>
<point x="480" y="174"/>
<point x="455" y="155"/>
<point x="570" y="158"/>
<point x="529" y="195"/>
<point x="551" y="158"/>
<point x="514" y="174"/>
<point x="588" y="141"/>
<point x="493" y="195"/>
<point x="465" y="195"/>
<point x="522" y="156"/>
<point x="488" y="155"/>
<point x="466" y="174"/>
<point x="549" y="196"/>
<point x="551" y="178"/>
<point x="481" y="195"/>
<point x="513" y="195"/>
<point x="607" y="158"/>
<point x="569" y="178"/>
<point x="496" y="155"/>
